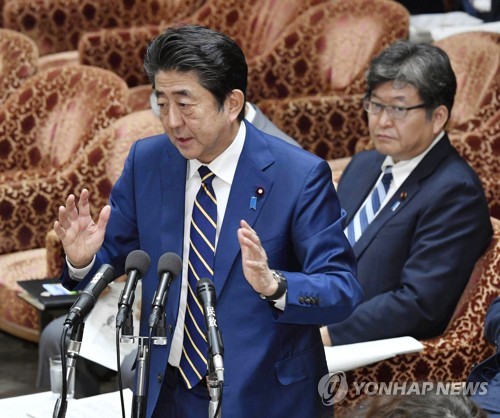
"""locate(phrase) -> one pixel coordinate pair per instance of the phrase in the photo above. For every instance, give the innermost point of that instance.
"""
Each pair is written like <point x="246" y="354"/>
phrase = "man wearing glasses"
<point x="417" y="217"/>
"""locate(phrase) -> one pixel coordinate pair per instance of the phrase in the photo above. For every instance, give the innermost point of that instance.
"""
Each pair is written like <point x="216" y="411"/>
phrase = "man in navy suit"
<point x="489" y="370"/>
<point x="282" y="263"/>
<point x="416" y="255"/>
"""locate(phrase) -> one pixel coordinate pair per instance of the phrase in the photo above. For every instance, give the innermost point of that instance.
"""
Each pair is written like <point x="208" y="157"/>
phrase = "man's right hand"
<point x="80" y="236"/>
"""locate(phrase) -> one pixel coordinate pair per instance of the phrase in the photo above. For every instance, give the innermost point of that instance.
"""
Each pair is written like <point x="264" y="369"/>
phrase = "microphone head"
<point x="205" y="291"/>
<point x="169" y="263"/>
<point x="106" y="274"/>
<point x="137" y="260"/>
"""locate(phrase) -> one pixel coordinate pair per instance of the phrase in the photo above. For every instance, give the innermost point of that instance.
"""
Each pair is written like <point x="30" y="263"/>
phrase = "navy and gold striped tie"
<point x="193" y="364"/>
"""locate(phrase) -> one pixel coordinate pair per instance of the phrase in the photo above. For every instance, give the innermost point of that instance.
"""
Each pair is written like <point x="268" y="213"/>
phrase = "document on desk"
<point x="106" y="405"/>
<point x="350" y="356"/>
<point x="99" y="336"/>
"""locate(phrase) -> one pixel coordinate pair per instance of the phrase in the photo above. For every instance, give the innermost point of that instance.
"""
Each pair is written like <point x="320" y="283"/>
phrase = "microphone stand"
<point x="215" y="382"/>
<point x="68" y="366"/>
<point x="139" y="400"/>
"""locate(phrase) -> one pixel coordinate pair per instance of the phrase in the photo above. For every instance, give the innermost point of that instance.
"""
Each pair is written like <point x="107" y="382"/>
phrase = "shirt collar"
<point x="250" y="112"/>
<point x="224" y="166"/>
<point x="402" y="169"/>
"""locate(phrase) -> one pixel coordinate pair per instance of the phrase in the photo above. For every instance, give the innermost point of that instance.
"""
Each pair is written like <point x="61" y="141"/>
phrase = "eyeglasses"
<point x="394" y="112"/>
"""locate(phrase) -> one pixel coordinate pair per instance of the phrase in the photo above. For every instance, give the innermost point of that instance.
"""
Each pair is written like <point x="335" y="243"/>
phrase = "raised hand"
<point x="81" y="237"/>
<point x="254" y="260"/>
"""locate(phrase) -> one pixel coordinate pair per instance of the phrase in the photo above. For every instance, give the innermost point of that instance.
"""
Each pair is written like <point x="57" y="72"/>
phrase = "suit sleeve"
<point x="492" y="323"/>
<point x="450" y="233"/>
<point x="326" y="289"/>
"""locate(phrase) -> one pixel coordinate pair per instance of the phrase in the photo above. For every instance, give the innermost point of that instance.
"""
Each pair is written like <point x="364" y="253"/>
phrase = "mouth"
<point x="383" y="138"/>
<point x="182" y="140"/>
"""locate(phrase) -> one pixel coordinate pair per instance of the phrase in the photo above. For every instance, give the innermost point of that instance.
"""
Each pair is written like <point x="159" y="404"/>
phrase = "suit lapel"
<point x="173" y="189"/>
<point x="249" y="176"/>
<point x="406" y="192"/>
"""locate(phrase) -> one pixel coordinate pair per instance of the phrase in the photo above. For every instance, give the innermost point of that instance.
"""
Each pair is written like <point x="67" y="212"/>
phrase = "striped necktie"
<point x="193" y="363"/>
<point x="370" y="207"/>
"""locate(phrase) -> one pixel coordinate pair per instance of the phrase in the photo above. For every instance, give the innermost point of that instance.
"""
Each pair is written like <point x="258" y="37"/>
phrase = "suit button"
<point x="159" y="378"/>
<point x="307" y="300"/>
<point x="170" y="329"/>
<point x="301" y="299"/>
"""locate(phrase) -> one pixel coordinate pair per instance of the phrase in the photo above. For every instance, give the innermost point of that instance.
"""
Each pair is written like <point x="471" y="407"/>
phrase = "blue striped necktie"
<point x="370" y="208"/>
<point x="193" y="363"/>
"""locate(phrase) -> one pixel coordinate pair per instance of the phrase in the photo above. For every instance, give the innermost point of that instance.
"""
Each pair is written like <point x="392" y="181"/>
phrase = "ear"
<point x="439" y="118"/>
<point x="234" y="103"/>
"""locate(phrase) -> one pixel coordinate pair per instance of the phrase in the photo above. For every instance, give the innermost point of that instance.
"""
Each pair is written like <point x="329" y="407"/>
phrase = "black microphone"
<point x="169" y="267"/>
<point x="88" y="297"/>
<point x="136" y="266"/>
<point x="205" y="291"/>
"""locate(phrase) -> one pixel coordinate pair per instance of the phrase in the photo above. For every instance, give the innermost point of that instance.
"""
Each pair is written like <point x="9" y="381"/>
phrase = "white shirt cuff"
<point x="79" y="274"/>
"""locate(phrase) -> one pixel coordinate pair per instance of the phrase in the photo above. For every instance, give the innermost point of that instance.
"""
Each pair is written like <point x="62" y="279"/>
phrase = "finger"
<point x="64" y="218"/>
<point x="104" y="217"/>
<point x="83" y="203"/>
<point x="59" y="230"/>
<point x="250" y="232"/>
<point x="71" y="211"/>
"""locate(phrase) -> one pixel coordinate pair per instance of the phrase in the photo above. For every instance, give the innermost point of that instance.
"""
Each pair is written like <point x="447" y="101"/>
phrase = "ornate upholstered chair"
<point x="56" y="25"/>
<point x="97" y="167"/>
<point x="18" y="61"/>
<point x="475" y="59"/>
<point x="327" y="49"/>
<point x="43" y="125"/>
<point x="449" y="357"/>
<point x="480" y="146"/>
<point x="327" y="126"/>
<point x="251" y="23"/>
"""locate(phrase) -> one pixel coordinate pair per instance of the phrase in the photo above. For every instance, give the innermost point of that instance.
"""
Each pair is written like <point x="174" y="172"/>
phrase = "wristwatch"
<point x="282" y="286"/>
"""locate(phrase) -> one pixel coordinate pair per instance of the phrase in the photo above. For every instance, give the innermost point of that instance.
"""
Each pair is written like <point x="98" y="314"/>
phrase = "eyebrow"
<point x="180" y="92"/>
<point x="400" y="98"/>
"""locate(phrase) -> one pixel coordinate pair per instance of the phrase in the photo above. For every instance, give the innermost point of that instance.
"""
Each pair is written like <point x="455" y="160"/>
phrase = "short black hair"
<point x="216" y="59"/>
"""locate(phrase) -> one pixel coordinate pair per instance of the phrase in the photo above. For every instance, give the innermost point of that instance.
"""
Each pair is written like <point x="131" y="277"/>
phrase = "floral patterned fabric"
<point x="327" y="126"/>
<point x="44" y="126"/>
<point x="96" y="167"/>
<point x="18" y="61"/>
<point x="449" y="357"/>
<point x="327" y="49"/>
<point x="253" y="24"/>
<point x="56" y="25"/>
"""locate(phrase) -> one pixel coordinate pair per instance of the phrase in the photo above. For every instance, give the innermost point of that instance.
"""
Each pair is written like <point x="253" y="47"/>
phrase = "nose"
<point x="384" y="118"/>
<point x="174" y="118"/>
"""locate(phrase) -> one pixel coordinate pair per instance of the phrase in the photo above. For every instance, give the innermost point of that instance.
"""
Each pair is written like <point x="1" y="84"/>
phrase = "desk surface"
<point x="41" y="405"/>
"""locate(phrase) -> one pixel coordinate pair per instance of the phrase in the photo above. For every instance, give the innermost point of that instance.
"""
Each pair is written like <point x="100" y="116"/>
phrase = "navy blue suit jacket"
<point x="488" y="371"/>
<point x="273" y="359"/>
<point x="416" y="257"/>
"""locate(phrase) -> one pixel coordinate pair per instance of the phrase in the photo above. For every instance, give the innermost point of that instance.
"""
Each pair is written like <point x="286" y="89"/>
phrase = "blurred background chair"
<point x="327" y="126"/>
<point x="253" y="24"/>
<point x="449" y="357"/>
<point x="96" y="167"/>
<point x="327" y="49"/>
<point x="44" y="124"/>
<point x="56" y="25"/>
<point x="475" y="58"/>
<point x="18" y="61"/>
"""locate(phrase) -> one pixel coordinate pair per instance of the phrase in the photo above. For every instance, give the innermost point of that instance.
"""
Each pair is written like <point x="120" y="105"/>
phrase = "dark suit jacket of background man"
<point x="489" y="370"/>
<point x="273" y="359"/>
<point x="416" y="257"/>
